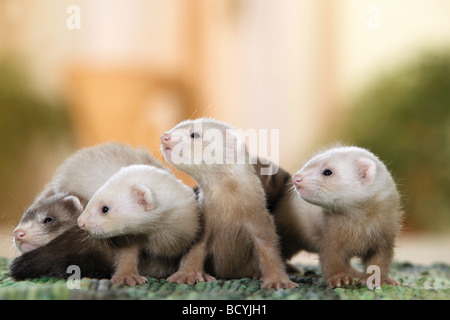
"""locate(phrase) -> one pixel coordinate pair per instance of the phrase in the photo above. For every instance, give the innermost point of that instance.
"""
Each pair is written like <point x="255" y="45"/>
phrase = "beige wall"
<point x="257" y="64"/>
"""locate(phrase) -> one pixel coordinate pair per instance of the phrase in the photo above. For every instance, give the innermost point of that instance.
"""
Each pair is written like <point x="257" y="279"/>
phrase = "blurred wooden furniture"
<point x="128" y="106"/>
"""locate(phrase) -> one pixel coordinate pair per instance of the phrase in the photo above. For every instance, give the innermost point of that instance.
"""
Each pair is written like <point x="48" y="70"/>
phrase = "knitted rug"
<point x="431" y="282"/>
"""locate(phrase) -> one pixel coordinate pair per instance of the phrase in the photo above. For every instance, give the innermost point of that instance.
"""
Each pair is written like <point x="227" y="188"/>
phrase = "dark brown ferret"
<point x="239" y="238"/>
<point x="96" y="258"/>
<point x="284" y="205"/>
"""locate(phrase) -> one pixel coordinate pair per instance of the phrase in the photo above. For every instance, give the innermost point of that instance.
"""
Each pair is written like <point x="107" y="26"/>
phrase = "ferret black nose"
<point x="19" y="234"/>
<point x="297" y="179"/>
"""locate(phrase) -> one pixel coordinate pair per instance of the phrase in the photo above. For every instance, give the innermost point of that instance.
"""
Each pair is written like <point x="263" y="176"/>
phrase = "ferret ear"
<point x="366" y="170"/>
<point x="143" y="196"/>
<point x="75" y="202"/>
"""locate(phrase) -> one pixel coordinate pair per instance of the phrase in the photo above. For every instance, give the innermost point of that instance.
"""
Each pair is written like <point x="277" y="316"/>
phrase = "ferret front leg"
<point x="192" y="266"/>
<point x="381" y="258"/>
<point x="265" y="241"/>
<point x="335" y="265"/>
<point x="127" y="261"/>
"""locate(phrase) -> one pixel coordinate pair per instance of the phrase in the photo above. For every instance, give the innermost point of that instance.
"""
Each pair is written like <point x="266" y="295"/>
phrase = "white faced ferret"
<point x="239" y="238"/>
<point x="144" y="201"/>
<point x="75" y="181"/>
<point x="146" y="229"/>
<point x="361" y="212"/>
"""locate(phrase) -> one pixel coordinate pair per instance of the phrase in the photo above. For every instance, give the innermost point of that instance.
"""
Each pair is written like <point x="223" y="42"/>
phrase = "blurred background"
<point x="375" y="73"/>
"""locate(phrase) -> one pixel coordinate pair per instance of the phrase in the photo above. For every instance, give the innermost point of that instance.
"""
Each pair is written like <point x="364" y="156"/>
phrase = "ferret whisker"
<point x="13" y="247"/>
<point x="324" y="195"/>
<point x="292" y="193"/>
<point x="105" y="243"/>
<point x="193" y="113"/>
<point x="86" y="238"/>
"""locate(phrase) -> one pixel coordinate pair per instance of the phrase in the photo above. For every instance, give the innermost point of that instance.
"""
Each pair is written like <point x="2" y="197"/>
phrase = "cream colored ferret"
<point x="361" y="213"/>
<point x="239" y="238"/>
<point x="63" y="199"/>
<point x="147" y="201"/>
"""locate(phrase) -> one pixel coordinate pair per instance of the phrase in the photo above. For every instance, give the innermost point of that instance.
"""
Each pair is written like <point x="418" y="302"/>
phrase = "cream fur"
<point x="361" y="213"/>
<point x="89" y="168"/>
<point x="145" y="200"/>
<point x="80" y="175"/>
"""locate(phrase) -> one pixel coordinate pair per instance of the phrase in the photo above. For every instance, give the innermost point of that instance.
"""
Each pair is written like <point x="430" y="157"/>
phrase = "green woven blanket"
<point x="417" y="282"/>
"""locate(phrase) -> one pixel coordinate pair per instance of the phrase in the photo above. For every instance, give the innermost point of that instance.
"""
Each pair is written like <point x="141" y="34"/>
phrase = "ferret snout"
<point x="81" y="223"/>
<point x="89" y="224"/>
<point x="167" y="142"/>
<point x="19" y="234"/>
<point x="297" y="179"/>
<point x="165" y="138"/>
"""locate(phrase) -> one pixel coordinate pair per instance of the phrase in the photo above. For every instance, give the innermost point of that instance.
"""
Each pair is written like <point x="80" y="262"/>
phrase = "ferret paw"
<point x="340" y="280"/>
<point x="183" y="277"/>
<point x="383" y="280"/>
<point x="277" y="283"/>
<point x="355" y="273"/>
<point x="257" y="276"/>
<point x="129" y="279"/>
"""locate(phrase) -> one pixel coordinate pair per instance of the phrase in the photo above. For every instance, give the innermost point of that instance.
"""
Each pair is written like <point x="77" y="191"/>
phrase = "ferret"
<point x="293" y="229"/>
<point x="94" y="257"/>
<point x="47" y="219"/>
<point x="360" y="212"/>
<point x="72" y="247"/>
<point x="239" y="238"/>
<point x="142" y="200"/>
<point x="63" y="199"/>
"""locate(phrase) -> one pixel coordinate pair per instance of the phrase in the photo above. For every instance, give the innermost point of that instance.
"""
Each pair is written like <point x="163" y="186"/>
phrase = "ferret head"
<point x="203" y="144"/>
<point x="135" y="200"/>
<point x="46" y="219"/>
<point x="340" y="178"/>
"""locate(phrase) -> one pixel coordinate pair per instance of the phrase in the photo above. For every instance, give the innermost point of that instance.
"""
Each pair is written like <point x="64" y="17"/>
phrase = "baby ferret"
<point x="145" y="201"/>
<point x="239" y="238"/>
<point x="153" y="237"/>
<point x="360" y="212"/>
<point x="170" y="223"/>
<point x="72" y="247"/>
<point x="293" y="229"/>
<point x="46" y="219"/>
<point x="58" y="206"/>
<point x="95" y="258"/>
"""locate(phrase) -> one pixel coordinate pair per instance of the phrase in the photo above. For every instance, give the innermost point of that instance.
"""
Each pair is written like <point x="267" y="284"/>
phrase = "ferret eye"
<point x="195" y="135"/>
<point x="327" y="172"/>
<point x="48" y="220"/>
<point x="105" y="209"/>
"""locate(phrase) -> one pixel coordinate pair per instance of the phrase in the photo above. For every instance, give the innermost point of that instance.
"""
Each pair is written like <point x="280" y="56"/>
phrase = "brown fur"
<point x="96" y="258"/>
<point x="127" y="262"/>
<point x="239" y="238"/>
<point x="360" y="209"/>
